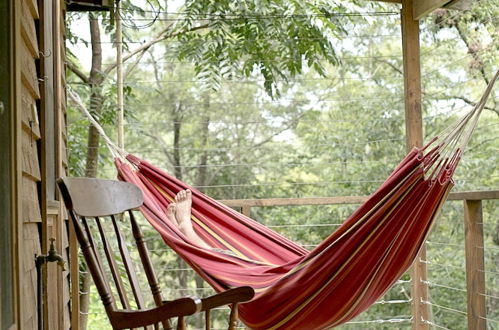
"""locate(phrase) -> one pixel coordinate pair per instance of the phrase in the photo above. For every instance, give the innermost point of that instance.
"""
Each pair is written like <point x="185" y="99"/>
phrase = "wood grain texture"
<point x="30" y="163"/>
<point x="389" y="1"/>
<point x="475" y="264"/>
<point x="29" y="114"/>
<point x="339" y="200"/>
<point x="31" y="247"/>
<point x="33" y="8"/>
<point x="28" y="30"/>
<point x="97" y="198"/>
<point x="29" y="74"/>
<point x="30" y="201"/>
<point x="424" y="7"/>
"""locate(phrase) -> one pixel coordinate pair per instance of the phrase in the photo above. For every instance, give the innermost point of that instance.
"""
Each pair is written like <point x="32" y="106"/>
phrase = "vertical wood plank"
<point x="33" y="8"/>
<point x="66" y="315"/>
<point x="74" y="278"/>
<point x="28" y="30"/>
<point x="475" y="277"/>
<point x="7" y="270"/>
<point x="119" y="75"/>
<point x="246" y="210"/>
<point x="50" y="220"/>
<point x="16" y="174"/>
<point x="29" y="73"/>
<point x="414" y="137"/>
<point x="412" y="77"/>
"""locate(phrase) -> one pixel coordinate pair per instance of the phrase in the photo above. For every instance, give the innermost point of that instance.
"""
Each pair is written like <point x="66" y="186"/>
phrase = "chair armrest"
<point x="231" y="296"/>
<point x="138" y="318"/>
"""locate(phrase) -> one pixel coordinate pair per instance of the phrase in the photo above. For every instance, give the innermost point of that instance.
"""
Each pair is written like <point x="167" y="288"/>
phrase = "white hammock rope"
<point x="446" y="149"/>
<point x="113" y="148"/>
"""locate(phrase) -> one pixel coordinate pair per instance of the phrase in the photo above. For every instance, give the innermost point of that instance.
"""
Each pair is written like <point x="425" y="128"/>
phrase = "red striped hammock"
<point x="340" y="278"/>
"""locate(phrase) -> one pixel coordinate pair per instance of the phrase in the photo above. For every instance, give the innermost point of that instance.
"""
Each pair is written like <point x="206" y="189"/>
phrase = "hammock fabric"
<point x="340" y="278"/>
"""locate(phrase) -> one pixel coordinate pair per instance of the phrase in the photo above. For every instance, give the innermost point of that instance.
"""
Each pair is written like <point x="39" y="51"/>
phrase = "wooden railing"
<point x="474" y="243"/>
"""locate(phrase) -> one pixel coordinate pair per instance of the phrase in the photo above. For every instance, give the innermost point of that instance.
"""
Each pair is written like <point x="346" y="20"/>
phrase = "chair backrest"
<point x="94" y="205"/>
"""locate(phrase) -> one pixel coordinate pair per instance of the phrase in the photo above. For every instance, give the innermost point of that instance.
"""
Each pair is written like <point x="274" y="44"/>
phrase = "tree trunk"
<point x="177" y="125"/>
<point x="96" y="98"/>
<point x="92" y="163"/>
<point x="204" y="131"/>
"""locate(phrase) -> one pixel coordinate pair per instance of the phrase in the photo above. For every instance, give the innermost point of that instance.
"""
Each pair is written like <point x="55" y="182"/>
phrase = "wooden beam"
<point x="423" y="7"/>
<point x="414" y="138"/>
<point x="339" y="200"/>
<point x="459" y="4"/>
<point x="475" y="277"/>
<point x="412" y="77"/>
<point x="474" y="195"/>
<point x="389" y="1"/>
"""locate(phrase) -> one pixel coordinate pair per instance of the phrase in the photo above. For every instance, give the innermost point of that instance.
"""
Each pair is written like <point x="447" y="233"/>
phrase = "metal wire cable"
<point x="453" y="310"/>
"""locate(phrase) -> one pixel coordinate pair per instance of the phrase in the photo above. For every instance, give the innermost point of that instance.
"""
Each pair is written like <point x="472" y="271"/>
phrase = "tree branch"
<point x="161" y="36"/>
<point x="470" y="102"/>
<point x="391" y="65"/>
<point x="162" y="145"/>
<point x="134" y="65"/>
<point x="78" y="72"/>
<point x="473" y="52"/>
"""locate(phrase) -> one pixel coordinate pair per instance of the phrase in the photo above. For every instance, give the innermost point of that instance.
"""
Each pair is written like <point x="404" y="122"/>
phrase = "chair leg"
<point x="233" y="317"/>
<point x="181" y="323"/>
<point x="207" y="319"/>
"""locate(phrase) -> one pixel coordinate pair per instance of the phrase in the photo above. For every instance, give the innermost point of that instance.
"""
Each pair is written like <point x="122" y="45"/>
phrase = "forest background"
<point x="257" y="99"/>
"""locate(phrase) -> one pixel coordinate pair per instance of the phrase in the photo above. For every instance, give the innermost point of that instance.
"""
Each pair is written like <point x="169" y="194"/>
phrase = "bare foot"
<point x="183" y="210"/>
<point x="183" y="216"/>
<point x="170" y="213"/>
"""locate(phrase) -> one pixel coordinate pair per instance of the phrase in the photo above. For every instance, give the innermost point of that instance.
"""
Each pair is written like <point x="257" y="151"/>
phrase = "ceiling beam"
<point x="459" y="4"/>
<point x="423" y="7"/>
<point x="390" y="1"/>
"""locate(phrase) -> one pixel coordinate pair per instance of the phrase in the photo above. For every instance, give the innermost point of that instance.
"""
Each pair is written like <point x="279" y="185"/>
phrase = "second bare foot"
<point x="170" y="213"/>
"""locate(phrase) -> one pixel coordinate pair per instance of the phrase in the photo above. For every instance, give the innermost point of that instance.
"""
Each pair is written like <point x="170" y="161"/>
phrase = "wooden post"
<point x="50" y="276"/>
<point x="119" y="74"/>
<point x="74" y="278"/>
<point x="8" y="270"/>
<point x="475" y="277"/>
<point x="414" y="137"/>
<point x="412" y="77"/>
<point x="246" y="210"/>
<point x="16" y="156"/>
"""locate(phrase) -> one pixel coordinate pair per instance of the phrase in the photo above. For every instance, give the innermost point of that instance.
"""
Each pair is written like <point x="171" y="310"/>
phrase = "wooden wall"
<point x="41" y="158"/>
<point x="31" y="173"/>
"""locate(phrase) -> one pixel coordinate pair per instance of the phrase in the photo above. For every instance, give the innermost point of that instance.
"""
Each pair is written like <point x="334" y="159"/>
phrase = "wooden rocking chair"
<point x="92" y="201"/>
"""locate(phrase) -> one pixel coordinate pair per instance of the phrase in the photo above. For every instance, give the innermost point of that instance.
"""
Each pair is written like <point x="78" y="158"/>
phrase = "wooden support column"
<point x="246" y="210"/>
<point x="119" y="74"/>
<point x="475" y="277"/>
<point x="414" y="137"/>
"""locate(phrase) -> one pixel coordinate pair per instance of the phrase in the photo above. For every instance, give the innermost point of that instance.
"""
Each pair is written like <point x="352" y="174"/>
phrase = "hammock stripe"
<point x="296" y="288"/>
